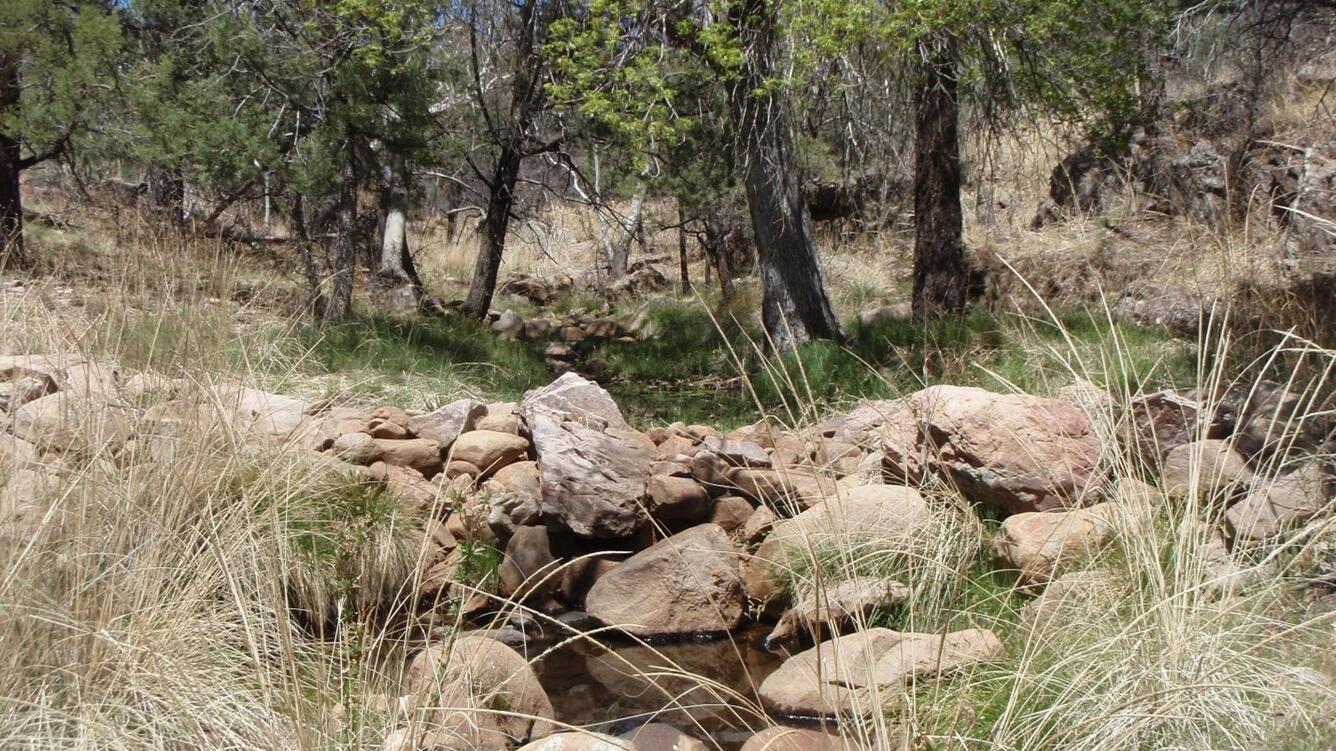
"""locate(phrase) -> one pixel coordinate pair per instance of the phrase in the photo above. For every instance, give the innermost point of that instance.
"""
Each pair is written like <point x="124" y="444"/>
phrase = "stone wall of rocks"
<point x="684" y="530"/>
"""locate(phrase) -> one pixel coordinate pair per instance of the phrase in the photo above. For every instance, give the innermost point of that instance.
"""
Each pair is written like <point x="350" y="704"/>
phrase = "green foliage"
<point x="66" y="56"/>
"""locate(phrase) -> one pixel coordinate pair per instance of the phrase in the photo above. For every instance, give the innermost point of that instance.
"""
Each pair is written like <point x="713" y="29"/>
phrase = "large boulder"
<point x="1011" y="451"/>
<point x="593" y="466"/>
<point x="481" y="691"/>
<point x="689" y="583"/>
<point x="866" y="671"/>
<point x="1040" y="545"/>
<point x="872" y="517"/>
<point x="272" y="418"/>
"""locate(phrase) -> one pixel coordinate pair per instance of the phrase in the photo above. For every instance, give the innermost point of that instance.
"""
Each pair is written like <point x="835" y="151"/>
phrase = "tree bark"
<point x="167" y="194"/>
<point x="11" y="197"/>
<point x="940" y="272"/>
<point x="340" y="301"/>
<point x="309" y="267"/>
<point x="720" y="236"/>
<point x="794" y="306"/>
<point x="630" y="224"/>
<point x="500" y="202"/>
<point x="396" y="268"/>
<point x="683" y="271"/>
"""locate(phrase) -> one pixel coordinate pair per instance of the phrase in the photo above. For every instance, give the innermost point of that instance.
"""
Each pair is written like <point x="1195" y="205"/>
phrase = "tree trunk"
<point x="526" y="95"/>
<point x="940" y="272"/>
<point x="396" y="269"/>
<point x="720" y="235"/>
<point x="621" y="250"/>
<point x="500" y="201"/>
<point x="340" y="301"/>
<point x="309" y="267"/>
<point x="794" y="306"/>
<point x="11" y="198"/>
<point x="167" y="194"/>
<point x="683" y="270"/>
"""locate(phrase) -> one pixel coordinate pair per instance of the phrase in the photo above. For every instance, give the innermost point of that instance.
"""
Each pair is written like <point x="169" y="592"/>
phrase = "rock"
<point x="880" y="314"/>
<point x="676" y="445"/>
<point x="20" y="385"/>
<point x="465" y="682"/>
<point x="583" y="740"/>
<point x="409" y="486"/>
<point x="1280" y="505"/>
<point x="514" y="496"/>
<point x="660" y="736"/>
<point x="580" y="575"/>
<point x="25" y="497"/>
<point x="835" y="606"/>
<point x="865" y="671"/>
<point x="1165" y="420"/>
<point x="508" y="325"/>
<point x="780" y="738"/>
<point x="677" y="499"/>
<point x="445" y="424"/>
<point x="529" y="571"/>
<point x="501" y="417"/>
<point x="1071" y="596"/>
<point x="15" y="454"/>
<point x="1276" y="425"/>
<point x="419" y="453"/>
<point x="1011" y="451"/>
<point x="357" y="448"/>
<point x="273" y="418"/>
<point x="737" y="453"/>
<point x="885" y="516"/>
<point x="1040" y="545"/>
<point x="489" y="450"/>
<point x="66" y="422"/>
<point x="1211" y="469"/>
<point x="686" y="584"/>
<point x="593" y="467"/>
<point x="758" y="525"/>
<point x="456" y="469"/>
<point x="731" y="513"/>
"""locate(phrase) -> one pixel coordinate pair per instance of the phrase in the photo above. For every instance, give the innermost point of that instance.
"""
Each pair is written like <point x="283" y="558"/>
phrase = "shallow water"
<point x="705" y="687"/>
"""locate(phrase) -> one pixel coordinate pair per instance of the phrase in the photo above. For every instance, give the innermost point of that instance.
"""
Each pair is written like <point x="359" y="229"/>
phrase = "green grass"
<point x="690" y="371"/>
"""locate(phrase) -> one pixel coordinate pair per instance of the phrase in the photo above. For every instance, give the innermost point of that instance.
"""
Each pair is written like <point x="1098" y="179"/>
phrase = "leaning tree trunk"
<point x="940" y="272"/>
<point x="794" y="305"/>
<point x="526" y="96"/>
<point x="396" y="270"/>
<point x="500" y="202"/>
<point x="11" y="197"/>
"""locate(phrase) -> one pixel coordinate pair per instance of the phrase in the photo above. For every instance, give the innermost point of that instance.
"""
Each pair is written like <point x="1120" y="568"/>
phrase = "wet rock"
<point x="593" y="467"/>
<point x="863" y="672"/>
<point x="1011" y="451"/>
<point x="462" y="683"/>
<point x="686" y="584"/>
